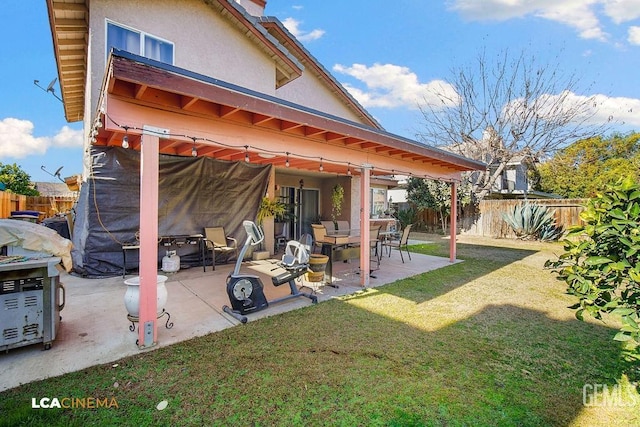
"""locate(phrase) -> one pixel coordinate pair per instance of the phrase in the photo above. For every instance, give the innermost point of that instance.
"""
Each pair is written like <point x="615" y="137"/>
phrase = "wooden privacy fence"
<point x="490" y="223"/>
<point x="48" y="206"/>
<point x="11" y="202"/>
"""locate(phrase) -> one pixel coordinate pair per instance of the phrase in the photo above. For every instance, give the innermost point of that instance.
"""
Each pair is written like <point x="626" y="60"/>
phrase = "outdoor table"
<point x="341" y="247"/>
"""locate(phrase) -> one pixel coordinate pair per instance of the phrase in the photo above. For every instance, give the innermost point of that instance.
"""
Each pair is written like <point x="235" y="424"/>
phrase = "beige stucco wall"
<point x="309" y="91"/>
<point x="204" y="41"/>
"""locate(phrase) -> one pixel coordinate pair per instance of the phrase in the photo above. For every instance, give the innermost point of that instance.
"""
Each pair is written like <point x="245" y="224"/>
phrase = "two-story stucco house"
<point x="193" y="110"/>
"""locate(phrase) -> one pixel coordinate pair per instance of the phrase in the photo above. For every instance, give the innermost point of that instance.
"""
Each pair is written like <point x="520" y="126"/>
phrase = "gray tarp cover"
<point x="194" y="193"/>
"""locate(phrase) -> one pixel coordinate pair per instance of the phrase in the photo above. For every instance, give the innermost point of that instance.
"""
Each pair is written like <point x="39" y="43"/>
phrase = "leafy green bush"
<point x="533" y="222"/>
<point x="406" y="217"/>
<point x="602" y="266"/>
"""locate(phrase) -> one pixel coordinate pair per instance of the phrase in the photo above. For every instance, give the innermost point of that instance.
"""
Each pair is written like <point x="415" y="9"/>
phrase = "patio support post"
<point x="149" y="162"/>
<point x="365" y="198"/>
<point x="269" y="223"/>
<point x="454" y="225"/>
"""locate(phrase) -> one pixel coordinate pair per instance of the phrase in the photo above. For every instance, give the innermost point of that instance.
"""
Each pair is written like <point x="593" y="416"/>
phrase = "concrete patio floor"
<point x="95" y="330"/>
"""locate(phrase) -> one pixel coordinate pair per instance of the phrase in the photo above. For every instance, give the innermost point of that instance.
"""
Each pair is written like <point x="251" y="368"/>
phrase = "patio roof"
<point x="152" y="84"/>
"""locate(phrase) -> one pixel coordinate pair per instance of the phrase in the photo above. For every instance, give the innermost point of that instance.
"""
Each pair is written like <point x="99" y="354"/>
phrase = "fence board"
<point x="491" y="224"/>
<point x="48" y="206"/>
<point x="11" y="202"/>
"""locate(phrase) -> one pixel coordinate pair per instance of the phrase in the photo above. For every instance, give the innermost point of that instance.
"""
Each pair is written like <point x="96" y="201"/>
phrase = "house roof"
<point x="69" y="22"/>
<point x="148" y="82"/>
<point x="275" y="28"/>
<point x="53" y="189"/>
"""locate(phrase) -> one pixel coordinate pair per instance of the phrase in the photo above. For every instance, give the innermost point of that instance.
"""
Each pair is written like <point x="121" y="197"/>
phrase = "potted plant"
<point x="268" y="209"/>
<point x="337" y="198"/>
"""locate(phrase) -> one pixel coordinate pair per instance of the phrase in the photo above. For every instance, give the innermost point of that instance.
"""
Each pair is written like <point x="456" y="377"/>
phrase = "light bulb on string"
<point x="194" y="150"/>
<point x="321" y="168"/>
<point x="125" y="138"/>
<point x="286" y="164"/>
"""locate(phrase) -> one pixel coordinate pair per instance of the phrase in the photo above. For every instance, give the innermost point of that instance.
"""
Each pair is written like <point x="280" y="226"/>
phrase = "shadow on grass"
<point x="478" y="261"/>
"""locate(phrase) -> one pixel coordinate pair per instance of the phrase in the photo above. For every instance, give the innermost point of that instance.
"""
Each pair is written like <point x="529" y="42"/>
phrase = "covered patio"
<point x="156" y="108"/>
<point x="95" y="330"/>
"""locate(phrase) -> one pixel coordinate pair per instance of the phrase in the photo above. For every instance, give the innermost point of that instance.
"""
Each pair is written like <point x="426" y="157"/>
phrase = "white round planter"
<point x="132" y="296"/>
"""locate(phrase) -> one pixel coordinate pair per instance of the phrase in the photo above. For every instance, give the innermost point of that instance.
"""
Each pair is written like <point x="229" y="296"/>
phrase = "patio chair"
<point x="219" y="243"/>
<point x="374" y="240"/>
<point x="400" y="243"/>
<point x="319" y="233"/>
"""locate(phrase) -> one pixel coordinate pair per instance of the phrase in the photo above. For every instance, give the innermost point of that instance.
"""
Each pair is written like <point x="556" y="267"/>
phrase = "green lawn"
<point x="485" y="342"/>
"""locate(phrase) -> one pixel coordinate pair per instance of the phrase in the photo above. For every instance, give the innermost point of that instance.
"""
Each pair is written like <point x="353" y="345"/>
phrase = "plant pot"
<point x="317" y="264"/>
<point x="132" y="295"/>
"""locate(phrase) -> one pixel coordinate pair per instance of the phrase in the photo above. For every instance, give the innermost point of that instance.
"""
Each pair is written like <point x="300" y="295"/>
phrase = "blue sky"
<point x="387" y="54"/>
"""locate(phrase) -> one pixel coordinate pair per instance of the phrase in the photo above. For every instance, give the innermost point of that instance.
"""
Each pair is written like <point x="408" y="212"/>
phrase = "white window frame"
<point x="143" y="36"/>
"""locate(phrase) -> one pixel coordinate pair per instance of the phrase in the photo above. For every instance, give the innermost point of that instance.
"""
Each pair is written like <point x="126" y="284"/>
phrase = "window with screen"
<point x="139" y="43"/>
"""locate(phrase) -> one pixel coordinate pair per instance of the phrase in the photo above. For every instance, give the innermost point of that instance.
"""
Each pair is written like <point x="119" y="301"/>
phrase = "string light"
<point x="194" y="151"/>
<point x="391" y="172"/>
<point x="125" y="138"/>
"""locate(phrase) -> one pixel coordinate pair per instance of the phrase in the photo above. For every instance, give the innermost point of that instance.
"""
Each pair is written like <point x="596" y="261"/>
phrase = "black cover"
<point x="194" y="193"/>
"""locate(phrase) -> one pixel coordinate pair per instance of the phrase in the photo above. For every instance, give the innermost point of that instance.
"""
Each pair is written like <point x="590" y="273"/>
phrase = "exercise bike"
<point x="246" y="292"/>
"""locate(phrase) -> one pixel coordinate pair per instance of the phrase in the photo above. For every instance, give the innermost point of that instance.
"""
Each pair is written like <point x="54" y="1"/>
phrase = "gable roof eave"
<point x="276" y="28"/>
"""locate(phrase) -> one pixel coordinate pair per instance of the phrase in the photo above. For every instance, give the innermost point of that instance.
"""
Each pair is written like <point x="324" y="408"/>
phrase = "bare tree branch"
<point x="507" y="107"/>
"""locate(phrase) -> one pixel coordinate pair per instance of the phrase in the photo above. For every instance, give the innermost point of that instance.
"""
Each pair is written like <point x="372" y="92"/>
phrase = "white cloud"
<point x="634" y="35"/>
<point x="17" y="140"/>
<point x="622" y="10"/>
<point x="294" y="28"/>
<point x="390" y="86"/>
<point x="617" y="110"/>
<point x="68" y="137"/>
<point x="578" y="14"/>
<point x="393" y="86"/>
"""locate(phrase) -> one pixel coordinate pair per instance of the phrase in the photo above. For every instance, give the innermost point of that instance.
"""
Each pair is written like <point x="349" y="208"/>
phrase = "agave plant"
<point x="533" y="222"/>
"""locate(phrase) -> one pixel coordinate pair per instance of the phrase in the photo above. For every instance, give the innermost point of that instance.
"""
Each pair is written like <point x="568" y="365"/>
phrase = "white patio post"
<point x="365" y="199"/>
<point x="454" y="224"/>
<point x="149" y="162"/>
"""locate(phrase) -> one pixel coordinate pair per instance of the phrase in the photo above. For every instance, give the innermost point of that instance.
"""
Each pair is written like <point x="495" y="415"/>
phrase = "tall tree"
<point x="436" y="195"/>
<point x="16" y="180"/>
<point x="507" y="107"/>
<point x="586" y="167"/>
